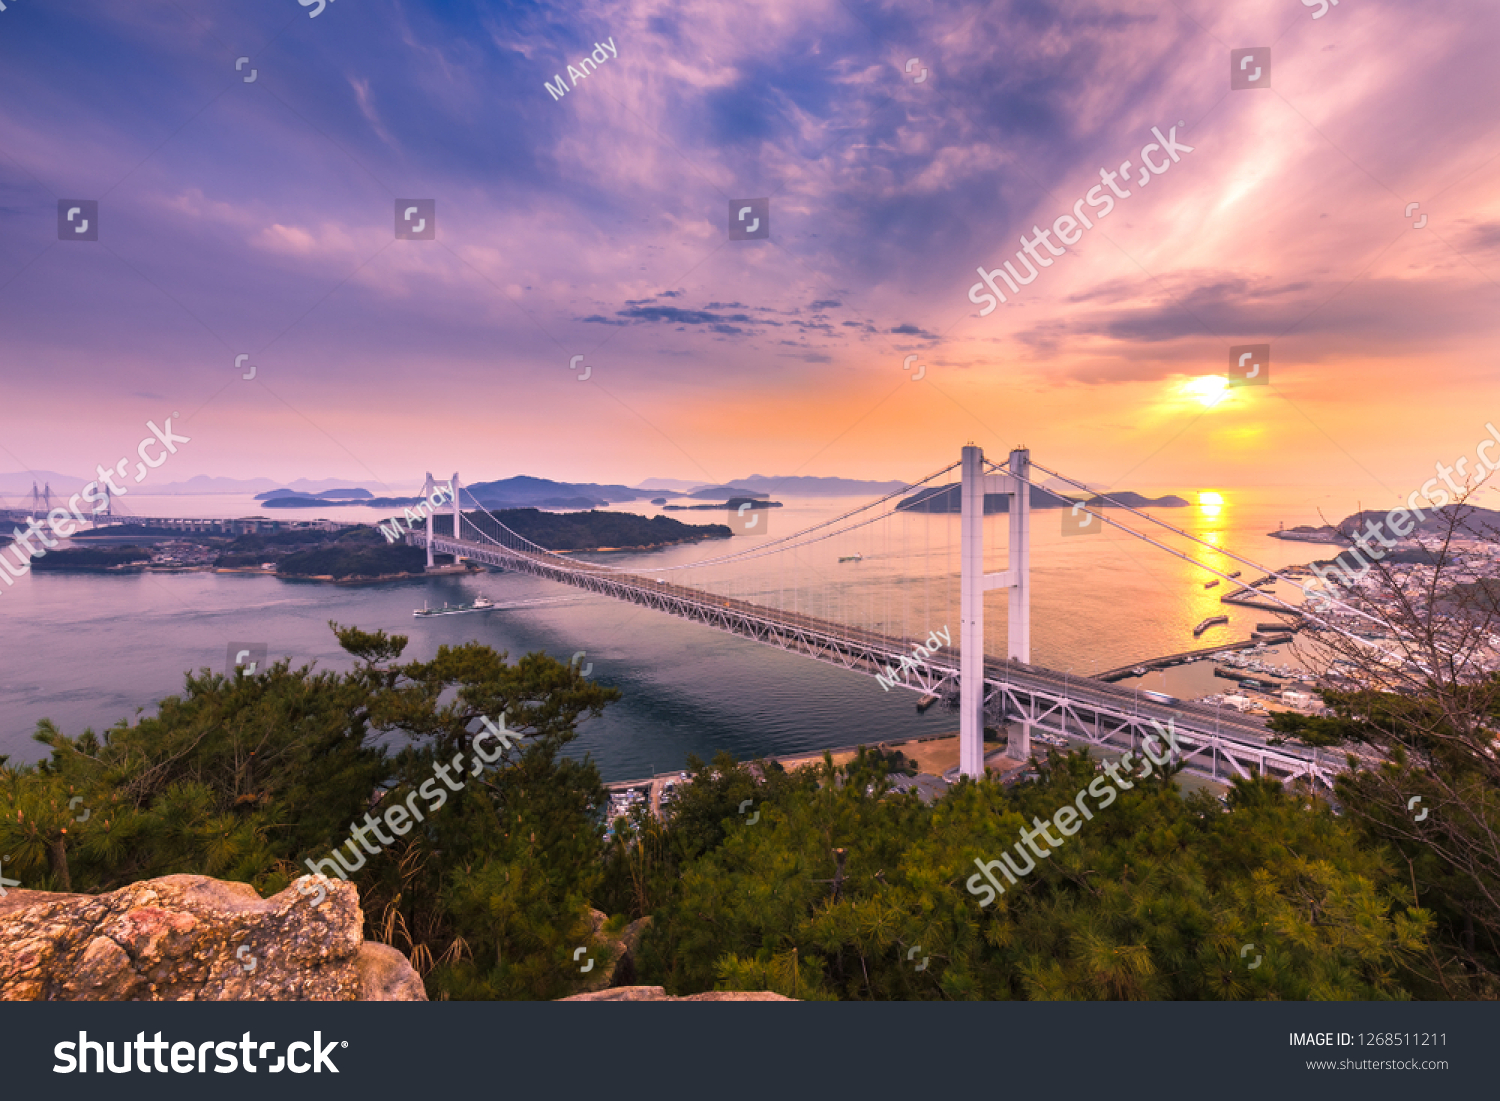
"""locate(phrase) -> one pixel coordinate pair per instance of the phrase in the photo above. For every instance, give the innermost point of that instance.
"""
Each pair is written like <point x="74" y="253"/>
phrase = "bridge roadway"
<point x="1217" y="745"/>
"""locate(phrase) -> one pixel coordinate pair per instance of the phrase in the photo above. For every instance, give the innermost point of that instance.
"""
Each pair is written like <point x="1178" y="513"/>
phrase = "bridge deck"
<point x="1217" y="744"/>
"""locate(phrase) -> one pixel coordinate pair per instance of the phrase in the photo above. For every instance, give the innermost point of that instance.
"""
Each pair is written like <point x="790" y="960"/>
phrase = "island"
<point x="601" y="531"/>
<point x="1470" y="522"/>
<point x="93" y="559"/>
<point x="326" y="495"/>
<point x="731" y="504"/>
<point x="949" y="498"/>
<point x="349" y="554"/>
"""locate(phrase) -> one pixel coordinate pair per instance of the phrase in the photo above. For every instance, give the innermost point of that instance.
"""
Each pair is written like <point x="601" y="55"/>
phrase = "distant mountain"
<point x="791" y="485"/>
<point x="949" y="498"/>
<point x="326" y="495"/>
<point x="1135" y="500"/>
<point x="1057" y="485"/>
<point x="719" y="493"/>
<point x="798" y="485"/>
<point x="19" y="482"/>
<point x="524" y="491"/>
<point x="1476" y="522"/>
<point x="675" y="485"/>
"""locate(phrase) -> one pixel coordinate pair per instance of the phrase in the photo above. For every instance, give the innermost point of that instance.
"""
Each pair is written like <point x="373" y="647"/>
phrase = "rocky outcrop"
<point x="614" y="951"/>
<point x="659" y="994"/>
<point x="191" y="938"/>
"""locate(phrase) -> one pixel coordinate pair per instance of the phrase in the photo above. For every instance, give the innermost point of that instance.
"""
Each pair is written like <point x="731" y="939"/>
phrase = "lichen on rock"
<point x="192" y="938"/>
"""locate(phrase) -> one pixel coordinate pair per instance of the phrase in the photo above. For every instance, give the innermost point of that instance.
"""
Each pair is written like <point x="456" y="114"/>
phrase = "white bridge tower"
<point x="974" y="583"/>
<point x="428" y="488"/>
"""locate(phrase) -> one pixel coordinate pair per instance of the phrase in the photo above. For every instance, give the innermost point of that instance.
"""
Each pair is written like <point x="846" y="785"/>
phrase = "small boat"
<point x="1210" y="584"/>
<point x="481" y="604"/>
<point x="1211" y="621"/>
<point x="925" y="702"/>
<point x="1140" y="670"/>
<point x="1236" y="573"/>
<point x="855" y="557"/>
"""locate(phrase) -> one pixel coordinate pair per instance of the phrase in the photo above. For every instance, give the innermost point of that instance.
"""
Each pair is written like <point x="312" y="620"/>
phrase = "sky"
<point x="252" y="212"/>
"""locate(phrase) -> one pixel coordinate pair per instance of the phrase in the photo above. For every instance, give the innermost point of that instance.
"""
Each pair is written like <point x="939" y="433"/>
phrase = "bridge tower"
<point x="427" y="487"/>
<point x="457" y="515"/>
<point x="974" y="583"/>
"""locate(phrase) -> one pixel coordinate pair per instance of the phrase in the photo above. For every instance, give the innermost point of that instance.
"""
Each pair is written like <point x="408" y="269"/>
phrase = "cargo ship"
<point x="1211" y="621"/>
<point x="481" y="604"/>
<point x="855" y="557"/>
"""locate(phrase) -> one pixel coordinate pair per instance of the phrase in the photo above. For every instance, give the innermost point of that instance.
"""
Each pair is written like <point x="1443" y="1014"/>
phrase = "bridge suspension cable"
<point x="1292" y="608"/>
<point x="785" y="543"/>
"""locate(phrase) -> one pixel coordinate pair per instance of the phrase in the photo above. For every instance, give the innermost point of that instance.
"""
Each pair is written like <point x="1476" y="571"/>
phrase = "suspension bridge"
<point x="854" y="632"/>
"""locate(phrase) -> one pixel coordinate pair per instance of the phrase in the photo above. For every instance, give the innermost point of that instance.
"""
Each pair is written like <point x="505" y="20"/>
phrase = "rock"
<point x="615" y="951"/>
<point x="659" y="994"/>
<point x="192" y="938"/>
<point x="386" y="976"/>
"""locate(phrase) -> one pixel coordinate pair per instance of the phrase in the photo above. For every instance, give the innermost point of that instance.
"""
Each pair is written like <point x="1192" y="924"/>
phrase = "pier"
<point x="1183" y="658"/>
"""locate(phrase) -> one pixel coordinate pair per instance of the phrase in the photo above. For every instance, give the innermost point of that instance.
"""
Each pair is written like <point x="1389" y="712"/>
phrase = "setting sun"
<point x="1208" y="389"/>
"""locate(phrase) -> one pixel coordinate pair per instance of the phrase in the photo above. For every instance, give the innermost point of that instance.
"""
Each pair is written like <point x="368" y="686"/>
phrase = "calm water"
<point x="88" y="650"/>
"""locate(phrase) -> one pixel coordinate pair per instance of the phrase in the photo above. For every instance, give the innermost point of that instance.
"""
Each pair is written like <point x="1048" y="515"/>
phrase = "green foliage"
<point x="1439" y="763"/>
<point x="89" y="558"/>
<point x="345" y="560"/>
<point x="818" y="883"/>
<point x="245" y="778"/>
<point x="564" y="531"/>
<point x="1152" y="898"/>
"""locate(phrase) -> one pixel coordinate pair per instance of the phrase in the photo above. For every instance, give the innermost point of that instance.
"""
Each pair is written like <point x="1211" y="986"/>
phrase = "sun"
<point x="1210" y="498"/>
<point x="1208" y="389"/>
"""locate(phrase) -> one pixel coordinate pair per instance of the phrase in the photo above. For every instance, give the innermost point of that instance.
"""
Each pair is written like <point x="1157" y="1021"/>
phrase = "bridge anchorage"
<point x="1055" y="705"/>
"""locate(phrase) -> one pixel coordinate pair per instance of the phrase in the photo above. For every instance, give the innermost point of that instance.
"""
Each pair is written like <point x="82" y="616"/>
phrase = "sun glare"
<point x="1208" y="389"/>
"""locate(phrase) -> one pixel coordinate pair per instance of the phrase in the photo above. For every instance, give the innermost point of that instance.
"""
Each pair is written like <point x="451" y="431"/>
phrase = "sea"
<point x="90" y="650"/>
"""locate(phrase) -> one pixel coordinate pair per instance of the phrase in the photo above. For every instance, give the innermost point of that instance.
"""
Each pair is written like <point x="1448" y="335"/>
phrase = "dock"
<point x="1172" y="659"/>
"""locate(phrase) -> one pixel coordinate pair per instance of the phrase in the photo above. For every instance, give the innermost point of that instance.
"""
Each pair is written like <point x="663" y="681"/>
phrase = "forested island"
<point x="595" y="530"/>
<point x="359" y="552"/>
<point x="90" y="558"/>
<point x="732" y="503"/>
